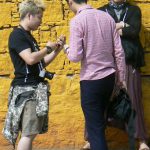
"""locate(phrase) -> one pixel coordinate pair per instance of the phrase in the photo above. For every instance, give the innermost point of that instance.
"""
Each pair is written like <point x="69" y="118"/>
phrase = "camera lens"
<point x="49" y="75"/>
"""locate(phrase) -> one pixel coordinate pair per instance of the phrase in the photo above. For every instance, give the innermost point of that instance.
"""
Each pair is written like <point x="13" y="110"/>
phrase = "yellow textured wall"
<point x="65" y="117"/>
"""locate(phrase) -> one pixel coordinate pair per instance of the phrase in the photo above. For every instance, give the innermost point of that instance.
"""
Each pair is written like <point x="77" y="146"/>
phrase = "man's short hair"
<point x="31" y="6"/>
<point x="79" y="1"/>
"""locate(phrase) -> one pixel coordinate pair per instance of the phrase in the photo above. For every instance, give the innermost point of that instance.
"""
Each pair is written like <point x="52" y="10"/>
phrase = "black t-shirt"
<point x="25" y="74"/>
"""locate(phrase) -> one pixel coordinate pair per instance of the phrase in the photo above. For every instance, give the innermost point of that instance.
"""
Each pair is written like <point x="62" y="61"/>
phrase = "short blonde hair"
<point x="31" y="6"/>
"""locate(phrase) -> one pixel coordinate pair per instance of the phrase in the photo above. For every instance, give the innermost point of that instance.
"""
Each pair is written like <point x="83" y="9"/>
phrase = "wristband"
<point x="49" y="49"/>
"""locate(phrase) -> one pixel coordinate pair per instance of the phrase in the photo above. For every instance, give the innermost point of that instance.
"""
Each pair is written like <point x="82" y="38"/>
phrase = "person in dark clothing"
<point x="29" y="92"/>
<point x="128" y="24"/>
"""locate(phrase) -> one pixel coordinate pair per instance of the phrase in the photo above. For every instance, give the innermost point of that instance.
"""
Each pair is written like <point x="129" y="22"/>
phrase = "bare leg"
<point x="25" y="142"/>
<point x="143" y="145"/>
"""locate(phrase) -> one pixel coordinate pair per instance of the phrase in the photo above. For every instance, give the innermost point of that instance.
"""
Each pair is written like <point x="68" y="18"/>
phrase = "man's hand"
<point x="120" y="25"/>
<point x="61" y="42"/>
<point x="53" y="45"/>
<point x="122" y="85"/>
<point x="57" y="45"/>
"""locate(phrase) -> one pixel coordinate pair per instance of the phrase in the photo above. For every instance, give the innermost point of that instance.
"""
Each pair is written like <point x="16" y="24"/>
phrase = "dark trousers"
<point x="95" y="95"/>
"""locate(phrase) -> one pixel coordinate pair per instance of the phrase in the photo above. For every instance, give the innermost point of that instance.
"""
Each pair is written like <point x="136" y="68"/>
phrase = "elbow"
<point x="31" y="61"/>
<point x="74" y="59"/>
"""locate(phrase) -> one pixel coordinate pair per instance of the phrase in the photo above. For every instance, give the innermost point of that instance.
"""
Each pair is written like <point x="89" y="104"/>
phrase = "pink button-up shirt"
<point x="95" y="42"/>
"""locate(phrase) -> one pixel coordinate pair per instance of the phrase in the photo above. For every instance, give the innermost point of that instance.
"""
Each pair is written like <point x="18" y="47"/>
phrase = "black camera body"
<point x="46" y="74"/>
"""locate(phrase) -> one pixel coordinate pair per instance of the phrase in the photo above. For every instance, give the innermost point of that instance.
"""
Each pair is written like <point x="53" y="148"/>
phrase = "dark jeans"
<point x="95" y="95"/>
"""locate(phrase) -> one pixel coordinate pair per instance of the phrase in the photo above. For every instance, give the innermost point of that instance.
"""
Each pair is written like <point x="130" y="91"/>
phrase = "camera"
<point x="46" y="74"/>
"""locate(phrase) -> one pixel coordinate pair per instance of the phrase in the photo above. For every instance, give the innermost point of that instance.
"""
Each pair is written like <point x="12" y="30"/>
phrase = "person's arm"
<point x="119" y="56"/>
<point x="132" y="27"/>
<point x="75" y="50"/>
<point x="32" y="57"/>
<point x="50" y="57"/>
<point x="19" y="43"/>
<point x="48" y="53"/>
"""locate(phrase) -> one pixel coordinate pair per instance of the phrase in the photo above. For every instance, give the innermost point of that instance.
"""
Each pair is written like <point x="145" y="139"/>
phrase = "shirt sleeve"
<point x="119" y="55"/>
<point x="18" y="42"/>
<point x="75" y="51"/>
<point x="134" y="21"/>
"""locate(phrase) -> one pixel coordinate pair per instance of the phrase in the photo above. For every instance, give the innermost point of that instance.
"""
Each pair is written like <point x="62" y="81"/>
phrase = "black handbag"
<point x="120" y="109"/>
<point x="120" y="106"/>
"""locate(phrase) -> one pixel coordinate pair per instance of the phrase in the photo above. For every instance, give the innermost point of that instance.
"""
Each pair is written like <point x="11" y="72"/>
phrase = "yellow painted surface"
<point x="66" y="120"/>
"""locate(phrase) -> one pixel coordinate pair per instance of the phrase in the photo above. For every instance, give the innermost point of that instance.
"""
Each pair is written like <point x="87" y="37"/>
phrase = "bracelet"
<point x="49" y="49"/>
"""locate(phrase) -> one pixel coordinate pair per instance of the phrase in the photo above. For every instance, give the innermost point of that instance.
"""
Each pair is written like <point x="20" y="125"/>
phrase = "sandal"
<point x="143" y="146"/>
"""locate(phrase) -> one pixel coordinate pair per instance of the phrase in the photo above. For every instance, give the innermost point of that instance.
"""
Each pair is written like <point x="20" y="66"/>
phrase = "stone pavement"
<point x="111" y="145"/>
<point x="9" y="148"/>
<point x="77" y="149"/>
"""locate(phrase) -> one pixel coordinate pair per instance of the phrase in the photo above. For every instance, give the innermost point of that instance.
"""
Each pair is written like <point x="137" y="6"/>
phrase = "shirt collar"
<point x="83" y="8"/>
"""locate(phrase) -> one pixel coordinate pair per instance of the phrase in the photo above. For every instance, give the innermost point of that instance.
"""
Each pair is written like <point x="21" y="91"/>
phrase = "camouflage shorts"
<point x="27" y="105"/>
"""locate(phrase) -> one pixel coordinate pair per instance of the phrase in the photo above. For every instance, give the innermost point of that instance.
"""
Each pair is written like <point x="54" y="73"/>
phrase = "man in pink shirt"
<point x="95" y="42"/>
